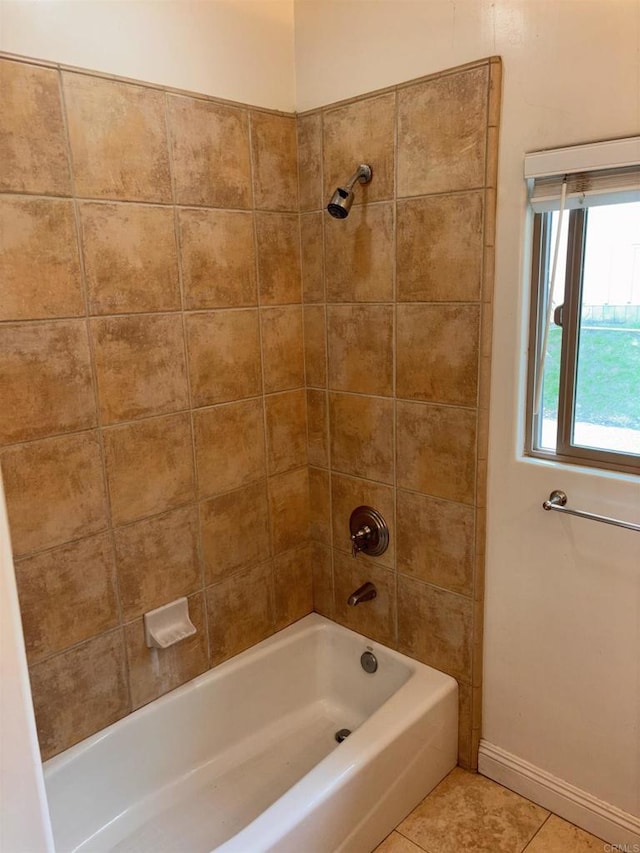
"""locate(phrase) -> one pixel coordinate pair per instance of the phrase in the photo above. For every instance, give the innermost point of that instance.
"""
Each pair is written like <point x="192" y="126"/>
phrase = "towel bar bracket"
<point x="557" y="501"/>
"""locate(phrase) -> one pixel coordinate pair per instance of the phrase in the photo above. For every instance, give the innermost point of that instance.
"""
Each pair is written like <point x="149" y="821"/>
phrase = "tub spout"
<point x="364" y="593"/>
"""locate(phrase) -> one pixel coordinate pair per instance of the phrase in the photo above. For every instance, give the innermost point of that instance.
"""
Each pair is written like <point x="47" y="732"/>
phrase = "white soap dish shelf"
<point x="167" y="625"/>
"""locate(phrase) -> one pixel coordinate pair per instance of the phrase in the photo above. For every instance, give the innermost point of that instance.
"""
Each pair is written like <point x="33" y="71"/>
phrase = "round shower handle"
<point x="369" y="531"/>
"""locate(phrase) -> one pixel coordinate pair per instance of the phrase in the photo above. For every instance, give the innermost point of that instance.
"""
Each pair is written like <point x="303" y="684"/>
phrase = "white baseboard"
<point x="571" y="803"/>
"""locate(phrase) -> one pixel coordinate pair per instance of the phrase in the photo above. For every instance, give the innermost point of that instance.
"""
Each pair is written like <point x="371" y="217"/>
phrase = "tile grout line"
<point x="27" y="555"/>
<point x="538" y="830"/>
<point x="137" y="202"/>
<point x="303" y="310"/>
<point x="267" y="444"/>
<point x="327" y="339"/>
<point x="96" y="394"/>
<point x="105" y="200"/>
<point x="394" y="360"/>
<point x="229" y="309"/>
<point x="419" y="846"/>
<point x="187" y="368"/>
<point x="441" y="404"/>
<point x="60" y="652"/>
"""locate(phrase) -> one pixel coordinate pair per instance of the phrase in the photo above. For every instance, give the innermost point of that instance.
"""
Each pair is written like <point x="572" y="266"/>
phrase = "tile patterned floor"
<point x="468" y="813"/>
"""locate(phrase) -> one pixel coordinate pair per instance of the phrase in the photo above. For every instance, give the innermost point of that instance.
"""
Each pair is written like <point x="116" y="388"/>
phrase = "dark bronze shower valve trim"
<point x="369" y="532"/>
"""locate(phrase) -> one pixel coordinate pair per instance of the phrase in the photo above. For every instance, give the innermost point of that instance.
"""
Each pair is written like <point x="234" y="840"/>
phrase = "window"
<point x="583" y="400"/>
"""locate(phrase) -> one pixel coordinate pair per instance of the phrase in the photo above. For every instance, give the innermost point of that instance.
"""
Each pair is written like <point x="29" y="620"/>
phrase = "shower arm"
<point x="362" y="174"/>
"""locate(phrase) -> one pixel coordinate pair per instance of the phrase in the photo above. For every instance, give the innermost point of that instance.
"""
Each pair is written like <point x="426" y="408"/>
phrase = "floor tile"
<point x="396" y="843"/>
<point x="559" y="836"/>
<point x="468" y="812"/>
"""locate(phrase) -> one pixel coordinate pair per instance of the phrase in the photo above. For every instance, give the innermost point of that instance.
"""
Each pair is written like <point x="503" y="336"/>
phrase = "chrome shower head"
<point x="342" y="199"/>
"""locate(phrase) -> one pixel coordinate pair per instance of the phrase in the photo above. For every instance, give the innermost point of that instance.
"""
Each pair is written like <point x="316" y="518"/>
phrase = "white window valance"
<point x="594" y="174"/>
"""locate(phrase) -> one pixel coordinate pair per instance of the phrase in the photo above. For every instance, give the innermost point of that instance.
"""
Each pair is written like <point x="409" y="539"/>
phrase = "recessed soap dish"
<point x="167" y="625"/>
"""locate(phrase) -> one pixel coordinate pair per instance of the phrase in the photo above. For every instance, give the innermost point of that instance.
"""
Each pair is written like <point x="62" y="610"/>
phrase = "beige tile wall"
<point x="175" y="421"/>
<point x="397" y="323"/>
<point x="153" y="417"/>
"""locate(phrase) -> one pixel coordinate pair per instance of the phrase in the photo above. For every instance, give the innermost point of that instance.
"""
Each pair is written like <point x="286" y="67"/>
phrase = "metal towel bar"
<point x="558" y="502"/>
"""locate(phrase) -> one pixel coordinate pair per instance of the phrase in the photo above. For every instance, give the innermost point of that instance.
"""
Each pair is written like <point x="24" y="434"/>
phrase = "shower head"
<point x="340" y="203"/>
<point x="342" y="199"/>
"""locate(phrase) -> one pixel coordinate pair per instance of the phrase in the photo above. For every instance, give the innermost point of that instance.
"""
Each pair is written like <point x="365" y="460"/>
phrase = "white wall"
<point x="236" y="49"/>
<point x="24" y="823"/>
<point x="562" y="635"/>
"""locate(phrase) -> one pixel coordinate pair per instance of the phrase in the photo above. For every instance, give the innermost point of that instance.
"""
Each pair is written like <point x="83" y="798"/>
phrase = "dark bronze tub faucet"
<point x="366" y="592"/>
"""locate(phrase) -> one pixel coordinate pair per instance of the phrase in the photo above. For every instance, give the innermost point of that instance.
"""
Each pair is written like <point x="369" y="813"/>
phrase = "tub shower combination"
<point x="331" y="740"/>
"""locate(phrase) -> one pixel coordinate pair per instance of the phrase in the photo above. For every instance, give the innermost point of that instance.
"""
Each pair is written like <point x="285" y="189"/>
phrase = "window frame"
<point x="566" y="451"/>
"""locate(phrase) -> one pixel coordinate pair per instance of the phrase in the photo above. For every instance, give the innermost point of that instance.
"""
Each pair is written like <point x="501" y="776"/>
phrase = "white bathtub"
<point x="243" y="759"/>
